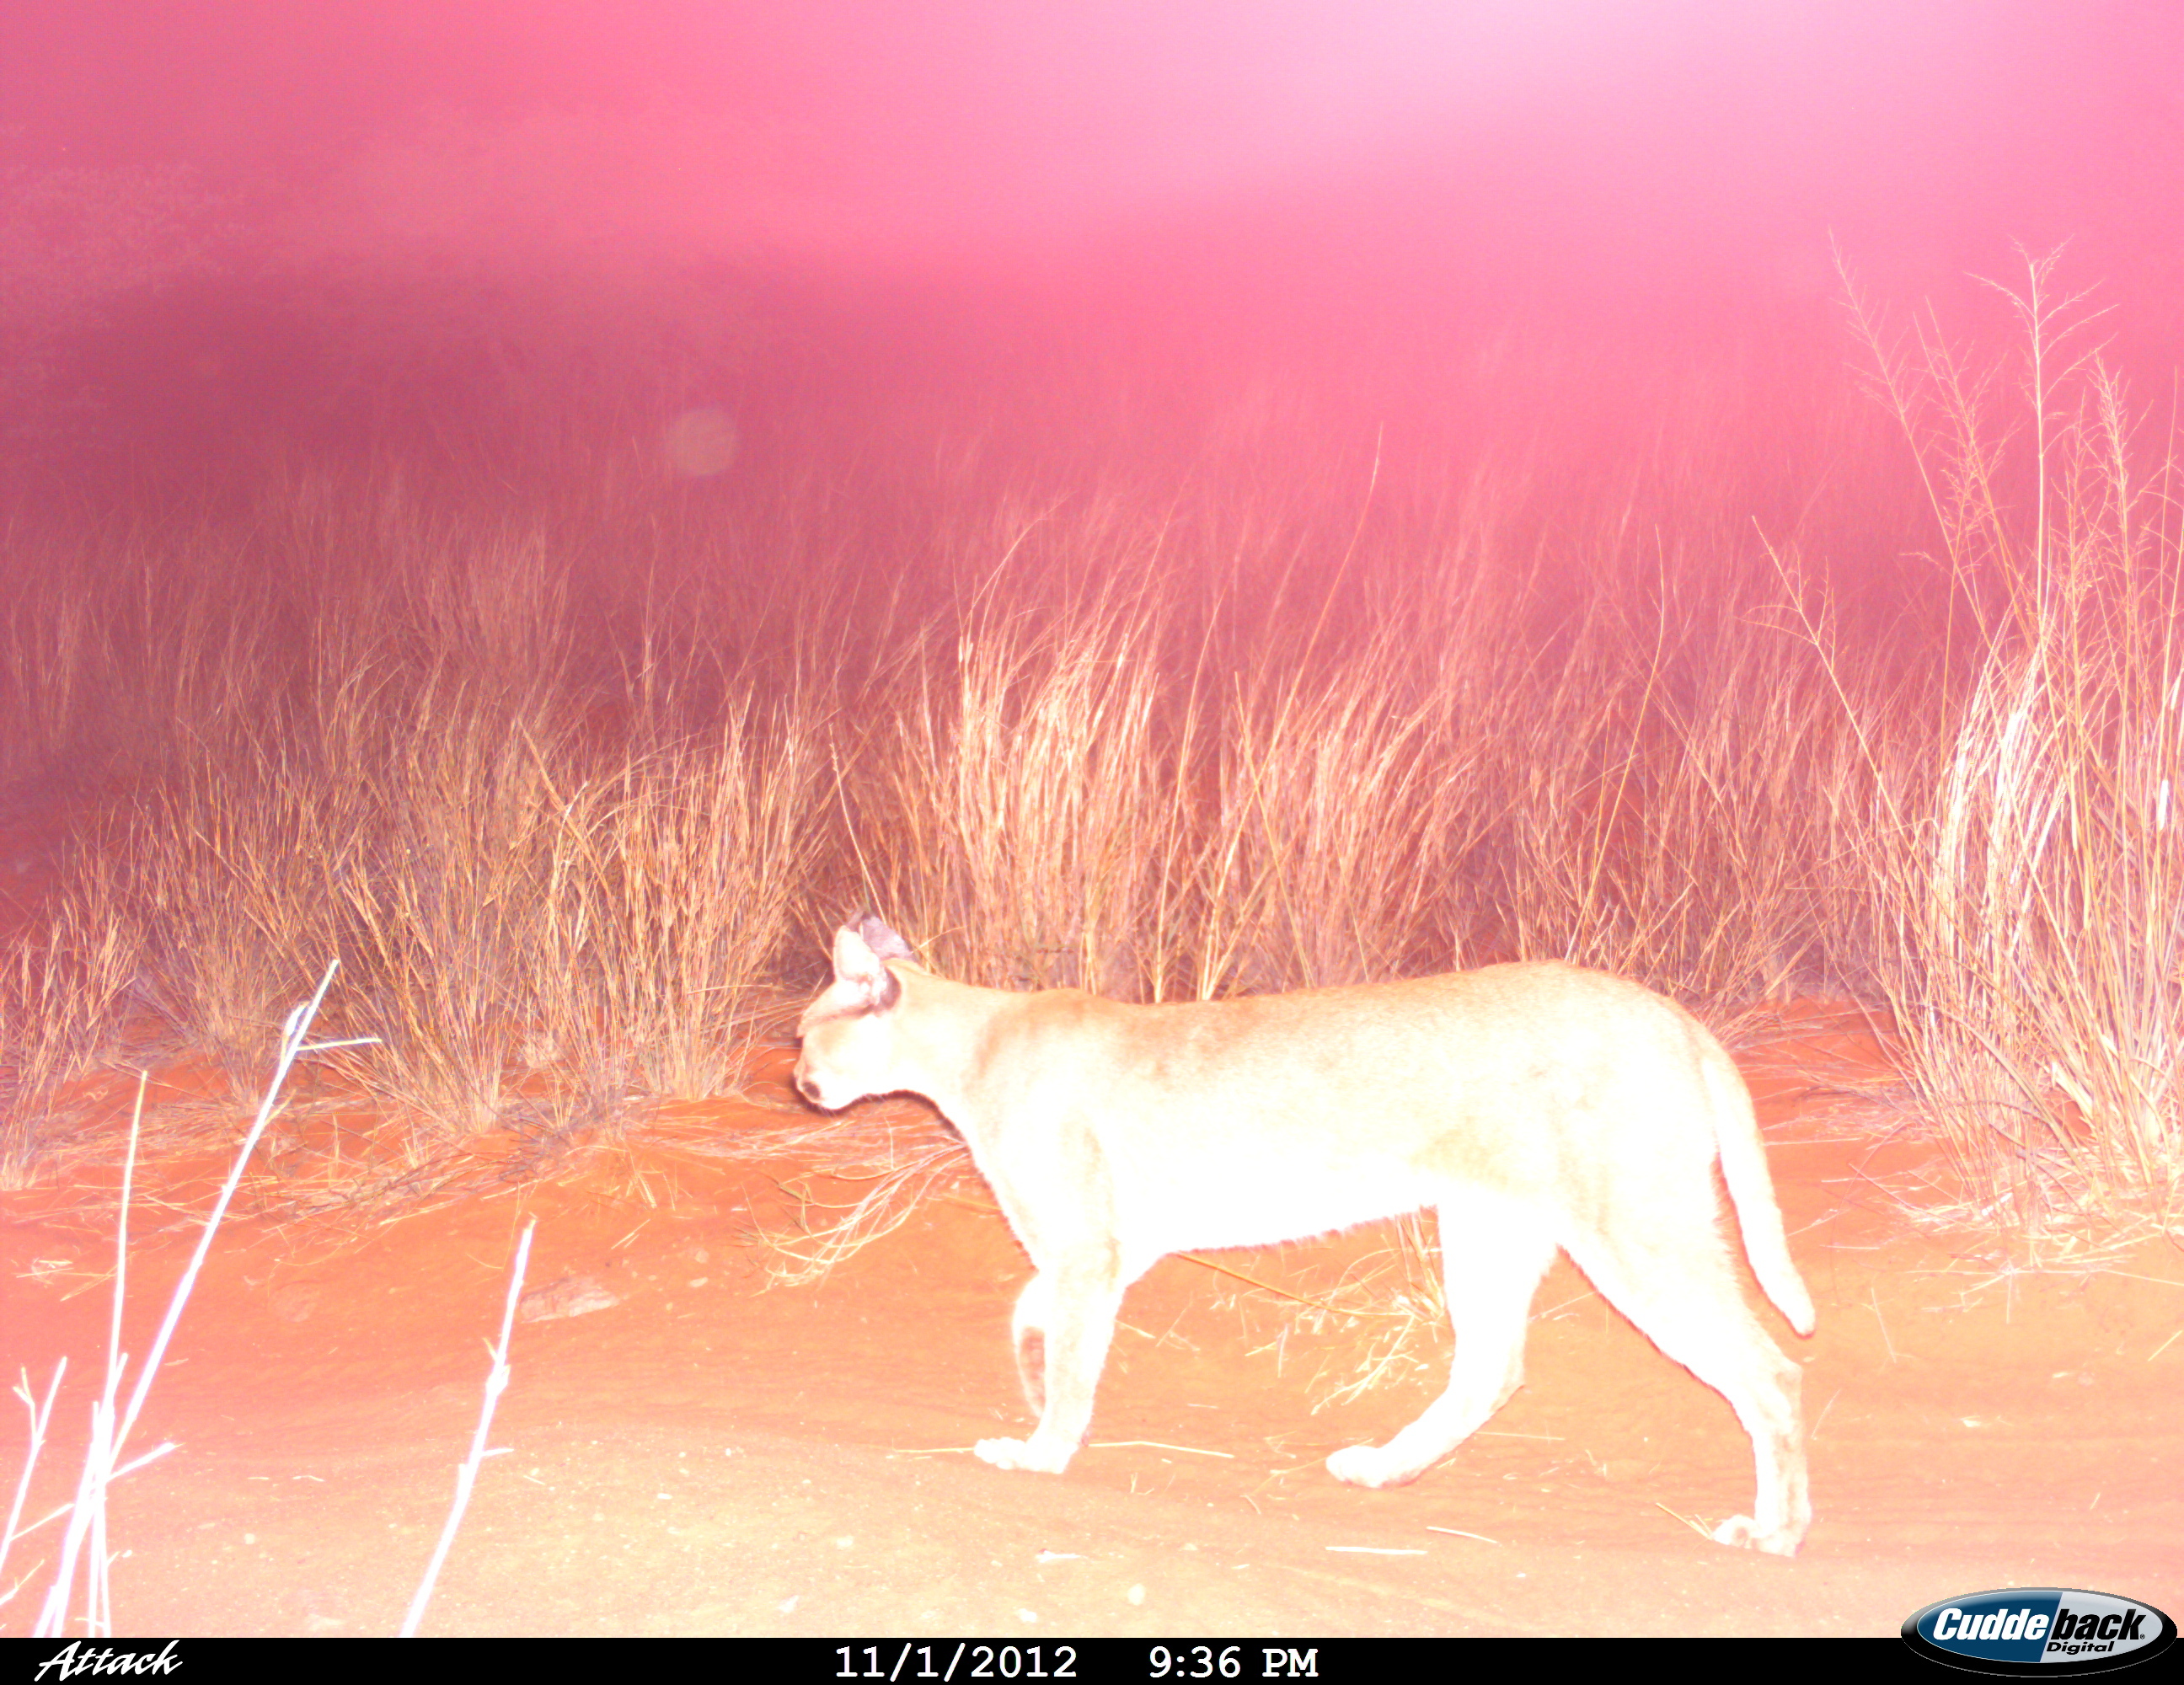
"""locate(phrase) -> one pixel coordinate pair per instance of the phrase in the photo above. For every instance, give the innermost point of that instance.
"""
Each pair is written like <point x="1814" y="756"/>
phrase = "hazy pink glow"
<point x="1406" y="168"/>
<point x="891" y="124"/>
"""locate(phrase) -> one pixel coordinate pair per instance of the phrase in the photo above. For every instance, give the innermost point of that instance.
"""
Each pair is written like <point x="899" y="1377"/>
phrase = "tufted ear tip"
<point x="860" y="966"/>
<point x="880" y="937"/>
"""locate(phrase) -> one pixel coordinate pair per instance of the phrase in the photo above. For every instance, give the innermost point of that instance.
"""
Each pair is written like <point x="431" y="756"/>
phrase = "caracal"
<point x="1532" y="1106"/>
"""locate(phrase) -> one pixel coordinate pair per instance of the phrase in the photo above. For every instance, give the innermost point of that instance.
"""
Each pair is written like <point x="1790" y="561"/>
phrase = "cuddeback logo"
<point x="2039" y="1629"/>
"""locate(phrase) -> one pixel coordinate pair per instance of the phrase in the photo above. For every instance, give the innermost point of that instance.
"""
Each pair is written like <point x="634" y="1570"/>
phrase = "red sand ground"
<point x="704" y="1456"/>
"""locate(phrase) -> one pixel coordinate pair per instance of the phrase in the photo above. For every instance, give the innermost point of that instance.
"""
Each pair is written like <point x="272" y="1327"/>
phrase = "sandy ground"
<point x="693" y="1452"/>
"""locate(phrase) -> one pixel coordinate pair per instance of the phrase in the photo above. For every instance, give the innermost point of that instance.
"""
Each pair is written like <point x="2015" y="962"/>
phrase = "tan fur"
<point x="1533" y="1106"/>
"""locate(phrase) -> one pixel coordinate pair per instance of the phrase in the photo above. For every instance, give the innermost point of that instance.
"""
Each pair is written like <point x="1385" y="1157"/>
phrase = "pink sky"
<point x="892" y="131"/>
<point x="1187" y="165"/>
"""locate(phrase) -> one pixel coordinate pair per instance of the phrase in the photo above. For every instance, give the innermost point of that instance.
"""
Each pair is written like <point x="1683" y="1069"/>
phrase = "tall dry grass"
<point x="1176" y="753"/>
<point x="575" y="788"/>
<point x="1410" y="760"/>
<point x="1019" y="800"/>
<point x="2032" y="869"/>
<point x="397" y="748"/>
<point x="63" y="978"/>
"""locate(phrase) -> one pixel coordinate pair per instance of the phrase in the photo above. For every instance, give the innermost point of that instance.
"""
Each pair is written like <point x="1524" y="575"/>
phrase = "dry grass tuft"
<point x="62" y="980"/>
<point x="2031" y="869"/>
